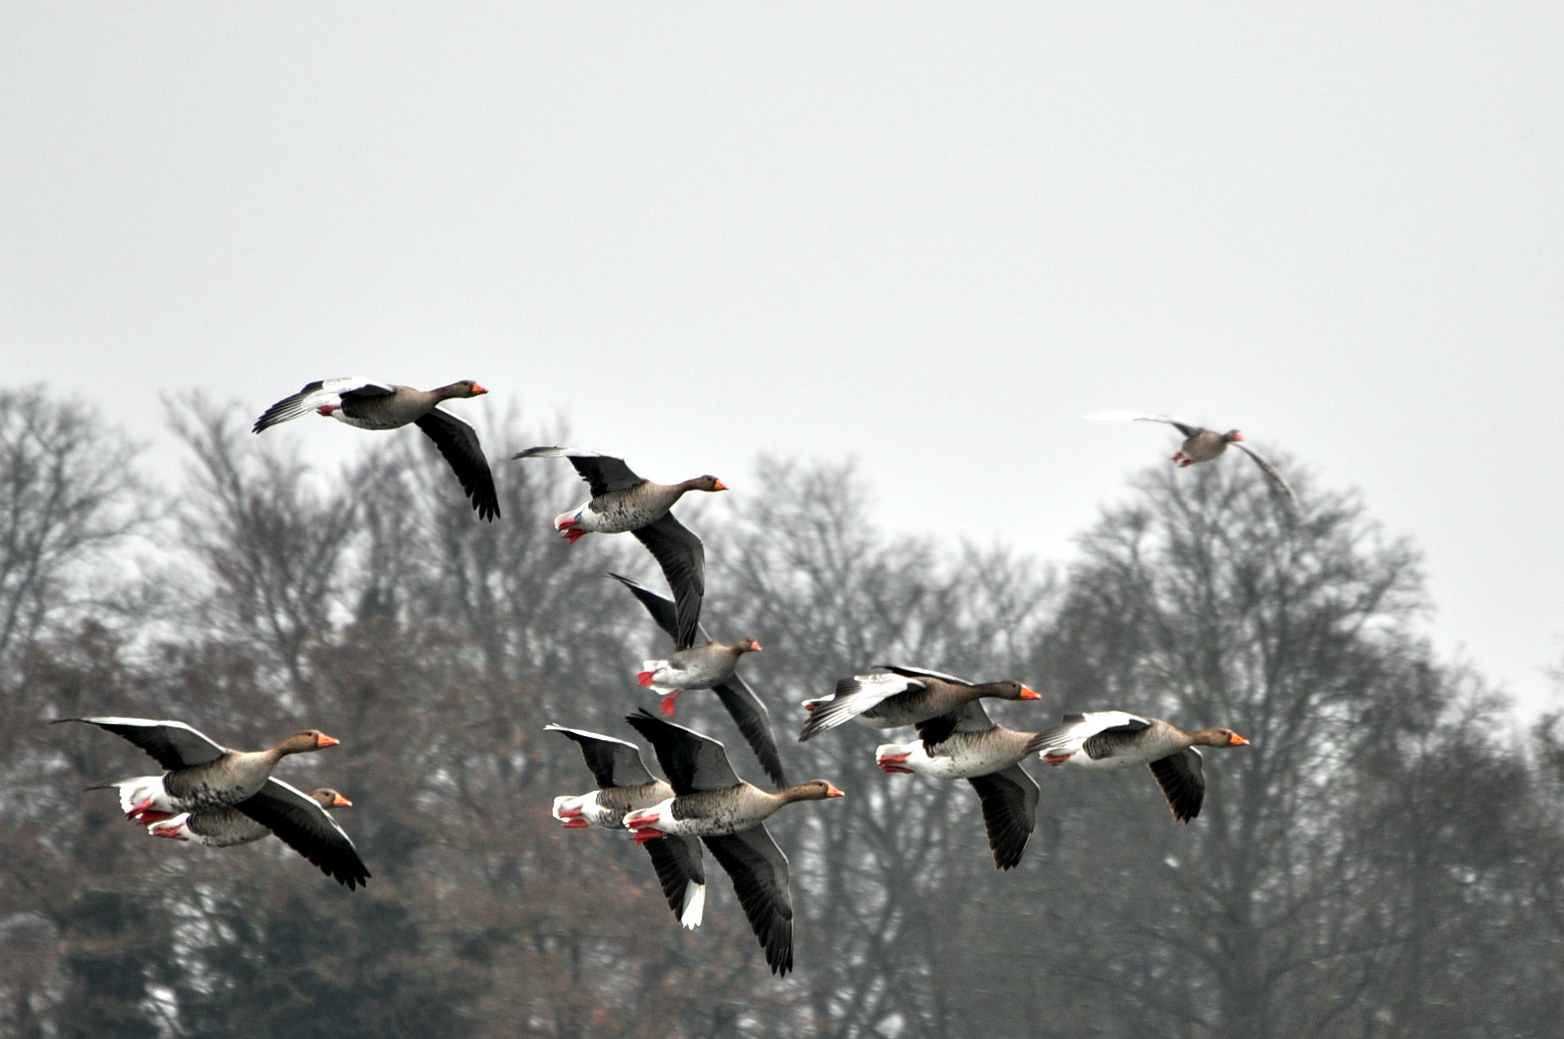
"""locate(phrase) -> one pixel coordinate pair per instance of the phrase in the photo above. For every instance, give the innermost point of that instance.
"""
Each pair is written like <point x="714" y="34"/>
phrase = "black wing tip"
<point x="352" y="881"/>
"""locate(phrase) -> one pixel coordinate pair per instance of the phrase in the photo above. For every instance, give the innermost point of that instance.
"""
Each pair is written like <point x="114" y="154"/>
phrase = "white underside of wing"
<point x="1067" y="739"/>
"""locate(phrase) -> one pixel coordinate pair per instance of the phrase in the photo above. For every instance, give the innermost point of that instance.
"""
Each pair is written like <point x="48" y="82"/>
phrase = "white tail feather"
<point x="694" y="905"/>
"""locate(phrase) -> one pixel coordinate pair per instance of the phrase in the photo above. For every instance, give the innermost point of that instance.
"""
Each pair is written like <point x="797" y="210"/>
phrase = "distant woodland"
<point x="1385" y="861"/>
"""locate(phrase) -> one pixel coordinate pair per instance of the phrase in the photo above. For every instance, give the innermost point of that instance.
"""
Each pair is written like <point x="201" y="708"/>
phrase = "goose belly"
<point x="1204" y="447"/>
<point x="617" y="513"/>
<point x="693" y="672"/>
<point x="697" y="815"/>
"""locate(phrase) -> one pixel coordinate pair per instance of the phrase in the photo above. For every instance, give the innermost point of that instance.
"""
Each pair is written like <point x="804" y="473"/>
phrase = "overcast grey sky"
<point x="925" y="236"/>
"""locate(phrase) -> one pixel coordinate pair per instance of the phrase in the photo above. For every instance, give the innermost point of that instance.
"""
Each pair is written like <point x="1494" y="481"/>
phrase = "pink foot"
<point x="811" y="707"/>
<point x="576" y="824"/>
<point x="138" y="809"/>
<point x="1056" y="759"/>
<point x="1186" y="463"/>
<point x="327" y="409"/>
<point x="646" y="833"/>
<point x="574" y="535"/>
<point x="667" y="704"/>
<point x="895" y="768"/>
<point x="645" y="678"/>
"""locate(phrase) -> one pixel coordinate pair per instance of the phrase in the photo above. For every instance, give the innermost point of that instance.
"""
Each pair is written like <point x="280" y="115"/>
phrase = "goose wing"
<point x="683" y="560"/>
<point x="314" y="394"/>
<point x="682" y="874"/>
<point x="302" y="824"/>
<point x="172" y="744"/>
<point x="852" y="697"/>
<point x="1009" y="799"/>
<point x="614" y="762"/>
<point x="1183" y="782"/>
<point x="662" y="609"/>
<point x="760" y="879"/>
<point x="458" y="442"/>
<point x="1268" y="469"/>
<point x="690" y="760"/>
<point x="1076" y="729"/>
<point x="919" y="672"/>
<point x="754" y="722"/>
<point x="603" y="473"/>
<point x="971" y="718"/>
<point x="1187" y="428"/>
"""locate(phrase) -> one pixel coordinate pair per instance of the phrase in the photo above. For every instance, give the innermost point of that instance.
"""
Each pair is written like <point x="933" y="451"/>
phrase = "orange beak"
<point x="754" y="647"/>
<point x="832" y="791"/>
<point x="476" y="390"/>
<point x="1237" y="435"/>
<point x="341" y="802"/>
<point x="1236" y="740"/>
<point x="326" y="741"/>
<point x="1027" y="694"/>
<point x="718" y="485"/>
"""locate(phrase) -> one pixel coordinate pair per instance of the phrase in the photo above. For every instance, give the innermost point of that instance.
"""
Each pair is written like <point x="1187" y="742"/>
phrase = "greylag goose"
<point x="709" y="666"/>
<point x="299" y="820"/>
<point x="988" y="756"/>
<point x="623" y="785"/>
<point x="1115" y="739"/>
<point x="201" y="774"/>
<point x="711" y="802"/>
<point x="623" y="502"/>
<point x="1204" y="445"/>
<point x="377" y="405"/>
<point x="905" y="696"/>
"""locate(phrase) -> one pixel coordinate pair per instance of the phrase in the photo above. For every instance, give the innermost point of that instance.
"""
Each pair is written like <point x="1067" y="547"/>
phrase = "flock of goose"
<point x="218" y="797"/>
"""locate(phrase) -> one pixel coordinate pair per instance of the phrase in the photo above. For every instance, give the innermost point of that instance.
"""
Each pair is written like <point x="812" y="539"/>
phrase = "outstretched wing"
<point x="1186" y="428"/>
<point x="458" y="442"/>
<point x="683" y="560"/>
<point x="603" y="473"/>
<point x="1078" y="728"/>
<point x="662" y="609"/>
<point x="614" y="762"/>
<point x="314" y="394"/>
<point x="1267" y="468"/>
<point x="1183" y="782"/>
<point x="919" y="672"/>
<point x="1009" y="799"/>
<point x="760" y="878"/>
<point x="172" y="744"/>
<point x="690" y="760"/>
<point x="852" y="697"/>
<point x="754" y="722"/>
<point x="303" y="825"/>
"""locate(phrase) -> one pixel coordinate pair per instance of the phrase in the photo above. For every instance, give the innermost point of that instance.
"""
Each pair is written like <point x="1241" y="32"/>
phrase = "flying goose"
<point x="377" y="405"/>
<point x="623" y="785"/>
<point x="201" y="774"/>
<point x="299" y="820"/>
<point x="624" y="502"/>
<point x="711" y="802"/>
<point x="1204" y="445"/>
<point x="904" y="696"/>
<point x="987" y="756"/>
<point x="709" y="666"/>
<point x="1115" y="739"/>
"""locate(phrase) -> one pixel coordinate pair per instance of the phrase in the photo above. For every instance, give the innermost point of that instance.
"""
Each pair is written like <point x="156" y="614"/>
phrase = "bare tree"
<point x="68" y="493"/>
